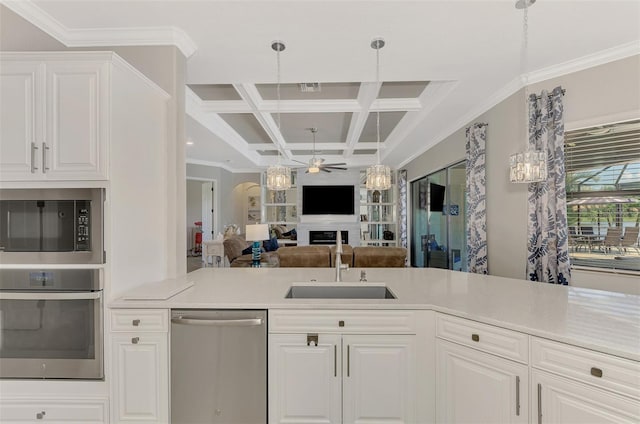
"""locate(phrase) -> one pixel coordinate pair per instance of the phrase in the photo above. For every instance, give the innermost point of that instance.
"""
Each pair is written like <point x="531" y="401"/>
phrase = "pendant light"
<point x="314" y="163"/>
<point x="278" y="176"/>
<point x="529" y="166"/>
<point x="378" y="175"/>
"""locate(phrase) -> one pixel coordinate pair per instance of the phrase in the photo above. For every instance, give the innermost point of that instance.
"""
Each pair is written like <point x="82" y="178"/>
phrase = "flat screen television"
<point x="328" y="200"/>
<point x="436" y="198"/>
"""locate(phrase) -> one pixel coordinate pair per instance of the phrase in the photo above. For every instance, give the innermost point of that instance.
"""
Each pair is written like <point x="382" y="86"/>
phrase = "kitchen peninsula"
<point x="532" y="349"/>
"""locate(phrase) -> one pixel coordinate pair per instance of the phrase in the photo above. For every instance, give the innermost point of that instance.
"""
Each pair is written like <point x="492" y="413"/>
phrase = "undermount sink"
<point x="334" y="291"/>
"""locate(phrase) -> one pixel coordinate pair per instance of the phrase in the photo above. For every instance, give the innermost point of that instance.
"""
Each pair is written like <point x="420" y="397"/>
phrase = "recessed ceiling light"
<point x="189" y="142"/>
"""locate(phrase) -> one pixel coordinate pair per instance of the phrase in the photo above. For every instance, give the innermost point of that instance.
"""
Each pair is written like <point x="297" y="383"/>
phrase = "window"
<point x="603" y="195"/>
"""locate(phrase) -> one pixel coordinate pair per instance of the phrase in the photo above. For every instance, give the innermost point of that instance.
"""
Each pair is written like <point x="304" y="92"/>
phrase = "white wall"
<point x="594" y="96"/>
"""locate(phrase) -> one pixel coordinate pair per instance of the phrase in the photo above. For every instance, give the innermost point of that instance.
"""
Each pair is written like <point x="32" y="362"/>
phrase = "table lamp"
<point x="256" y="233"/>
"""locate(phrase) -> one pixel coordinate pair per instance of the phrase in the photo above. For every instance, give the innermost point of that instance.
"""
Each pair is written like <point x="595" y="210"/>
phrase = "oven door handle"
<point x="50" y="296"/>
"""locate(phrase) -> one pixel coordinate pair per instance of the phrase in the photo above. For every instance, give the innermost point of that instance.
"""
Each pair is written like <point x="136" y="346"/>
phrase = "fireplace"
<point x="327" y="237"/>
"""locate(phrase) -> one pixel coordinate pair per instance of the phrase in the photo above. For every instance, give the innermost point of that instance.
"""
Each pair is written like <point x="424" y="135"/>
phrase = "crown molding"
<point x="224" y="166"/>
<point x="89" y="37"/>
<point x="585" y="62"/>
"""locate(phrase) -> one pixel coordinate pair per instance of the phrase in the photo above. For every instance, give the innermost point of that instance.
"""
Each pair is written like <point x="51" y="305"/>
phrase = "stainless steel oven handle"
<point x="50" y="296"/>
<point x="249" y="322"/>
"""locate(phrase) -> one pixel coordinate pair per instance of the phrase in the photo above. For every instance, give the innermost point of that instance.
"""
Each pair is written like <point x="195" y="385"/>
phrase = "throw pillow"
<point x="247" y="251"/>
<point x="270" y="245"/>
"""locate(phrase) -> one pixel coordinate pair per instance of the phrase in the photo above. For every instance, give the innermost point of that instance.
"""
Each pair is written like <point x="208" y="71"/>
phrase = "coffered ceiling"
<point x="444" y="63"/>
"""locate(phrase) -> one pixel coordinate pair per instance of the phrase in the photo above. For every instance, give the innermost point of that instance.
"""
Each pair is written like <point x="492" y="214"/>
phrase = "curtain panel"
<point x="548" y="248"/>
<point x="476" y="199"/>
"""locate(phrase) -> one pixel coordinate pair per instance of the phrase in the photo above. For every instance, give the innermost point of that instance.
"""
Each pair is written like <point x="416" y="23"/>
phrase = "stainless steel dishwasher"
<point x="218" y="366"/>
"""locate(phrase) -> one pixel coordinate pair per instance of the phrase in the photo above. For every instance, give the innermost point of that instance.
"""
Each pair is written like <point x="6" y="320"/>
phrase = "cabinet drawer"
<point x="139" y="320"/>
<point x="53" y="410"/>
<point x="499" y="341"/>
<point x="610" y="372"/>
<point x="344" y="321"/>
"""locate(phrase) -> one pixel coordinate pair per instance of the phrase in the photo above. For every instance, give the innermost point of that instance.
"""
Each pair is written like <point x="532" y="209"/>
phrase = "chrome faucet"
<point x="339" y="265"/>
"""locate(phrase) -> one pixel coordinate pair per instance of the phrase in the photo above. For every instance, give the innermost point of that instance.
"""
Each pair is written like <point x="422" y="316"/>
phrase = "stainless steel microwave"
<point x="51" y="226"/>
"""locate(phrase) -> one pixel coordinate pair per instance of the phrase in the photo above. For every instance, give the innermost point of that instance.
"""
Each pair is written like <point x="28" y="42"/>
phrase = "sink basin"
<point x="339" y="292"/>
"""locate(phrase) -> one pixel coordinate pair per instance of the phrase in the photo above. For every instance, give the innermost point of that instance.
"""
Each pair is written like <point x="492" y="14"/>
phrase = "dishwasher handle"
<point x="247" y="322"/>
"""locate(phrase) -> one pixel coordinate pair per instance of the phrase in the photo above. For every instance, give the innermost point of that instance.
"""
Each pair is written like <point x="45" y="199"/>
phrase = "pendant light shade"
<point x="278" y="176"/>
<point x="529" y="166"/>
<point x="378" y="175"/>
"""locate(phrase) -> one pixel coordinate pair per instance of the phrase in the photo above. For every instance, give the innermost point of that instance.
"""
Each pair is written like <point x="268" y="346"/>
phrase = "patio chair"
<point x="630" y="238"/>
<point x="575" y="241"/>
<point x="612" y="239"/>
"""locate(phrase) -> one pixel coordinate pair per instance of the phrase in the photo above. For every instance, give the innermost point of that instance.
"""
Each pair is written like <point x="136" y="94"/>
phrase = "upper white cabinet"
<point x="60" y="111"/>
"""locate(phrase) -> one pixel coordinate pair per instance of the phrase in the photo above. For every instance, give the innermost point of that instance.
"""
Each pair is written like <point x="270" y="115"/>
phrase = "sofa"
<point x="235" y="245"/>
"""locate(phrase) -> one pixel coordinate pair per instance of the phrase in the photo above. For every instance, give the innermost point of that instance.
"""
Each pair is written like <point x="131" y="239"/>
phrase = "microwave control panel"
<point x="83" y="225"/>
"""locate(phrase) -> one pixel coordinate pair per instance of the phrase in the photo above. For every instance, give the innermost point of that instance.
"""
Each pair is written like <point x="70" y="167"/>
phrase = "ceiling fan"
<point x="315" y="164"/>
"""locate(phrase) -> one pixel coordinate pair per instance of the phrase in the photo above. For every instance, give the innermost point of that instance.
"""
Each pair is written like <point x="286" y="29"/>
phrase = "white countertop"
<point x="608" y="322"/>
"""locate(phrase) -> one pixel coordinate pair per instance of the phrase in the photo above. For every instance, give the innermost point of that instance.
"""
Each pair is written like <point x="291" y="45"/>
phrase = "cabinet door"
<point x="54" y="410"/>
<point x="304" y="379"/>
<point x="140" y="377"/>
<point x="77" y="120"/>
<point x="379" y="378"/>
<point x="560" y="400"/>
<point x="475" y="387"/>
<point x="21" y="124"/>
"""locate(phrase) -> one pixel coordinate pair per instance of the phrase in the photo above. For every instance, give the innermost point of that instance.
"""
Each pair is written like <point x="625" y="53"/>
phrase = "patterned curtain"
<point x="476" y="200"/>
<point x="402" y="206"/>
<point x="548" y="248"/>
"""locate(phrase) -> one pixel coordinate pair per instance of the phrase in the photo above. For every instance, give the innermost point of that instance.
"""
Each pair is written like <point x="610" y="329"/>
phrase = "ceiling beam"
<point x="310" y="106"/>
<point x="250" y="94"/>
<point x="367" y="94"/>
<point x="309" y="146"/>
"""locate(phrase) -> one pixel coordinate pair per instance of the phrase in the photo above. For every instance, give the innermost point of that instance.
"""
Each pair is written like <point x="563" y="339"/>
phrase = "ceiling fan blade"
<point x="334" y="164"/>
<point x="334" y="167"/>
<point x="323" y="168"/>
<point x="295" y="160"/>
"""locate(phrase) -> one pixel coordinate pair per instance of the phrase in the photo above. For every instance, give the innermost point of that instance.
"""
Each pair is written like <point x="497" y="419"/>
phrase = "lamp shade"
<point x="257" y="232"/>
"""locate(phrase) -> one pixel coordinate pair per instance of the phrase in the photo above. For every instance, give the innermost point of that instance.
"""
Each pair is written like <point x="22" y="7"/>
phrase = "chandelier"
<point x="278" y="176"/>
<point x="378" y="175"/>
<point x="529" y="166"/>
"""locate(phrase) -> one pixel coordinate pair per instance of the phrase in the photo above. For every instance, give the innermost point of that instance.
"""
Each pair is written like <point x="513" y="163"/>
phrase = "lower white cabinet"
<point x="54" y="410"/>
<point x="563" y="401"/>
<point x="476" y="387"/>
<point x="337" y="376"/>
<point x="140" y="366"/>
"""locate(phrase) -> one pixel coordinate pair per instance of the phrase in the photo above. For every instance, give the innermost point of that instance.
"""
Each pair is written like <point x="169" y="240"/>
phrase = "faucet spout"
<point x="338" y="261"/>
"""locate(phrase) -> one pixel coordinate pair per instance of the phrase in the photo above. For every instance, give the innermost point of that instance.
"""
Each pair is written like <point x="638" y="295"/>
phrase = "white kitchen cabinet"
<point x="21" y="118"/>
<point x="140" y="366"/>
<point x="54" y="410"/>
<point x="563" y="401"/>
<point x="358" y="372"/>
<point x="54" y="117"/>
<point x="305" y="379"/>
<point x="482" y="372"/>
<point x="476" y="387"/>
<point x="378" y="378"/>
<point x="575" y="385"/>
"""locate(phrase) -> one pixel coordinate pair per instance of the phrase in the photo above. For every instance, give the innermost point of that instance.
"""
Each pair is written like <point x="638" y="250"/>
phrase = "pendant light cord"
<point x="278" y="101"/>
<point x="378" y="102"/>
<point x="525" y="64"/>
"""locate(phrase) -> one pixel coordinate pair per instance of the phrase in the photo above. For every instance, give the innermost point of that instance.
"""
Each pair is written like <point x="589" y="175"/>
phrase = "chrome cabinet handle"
<point x="348" y="360"/>
<point x="539" y="403"/>
<point x="135" y="322"/>
<point x="517" y="396"/>
<point x="33" y="158"/>
<point x="135" y="340"/>
<point x="40" y="415"/>
<point x="45" y="148"/>
<point x="335" y="360"/>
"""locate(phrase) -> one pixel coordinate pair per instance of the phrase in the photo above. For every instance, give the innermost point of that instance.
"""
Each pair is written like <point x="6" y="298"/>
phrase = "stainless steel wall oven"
<point x="51" y="324"/>
<point x="51" y="226"/>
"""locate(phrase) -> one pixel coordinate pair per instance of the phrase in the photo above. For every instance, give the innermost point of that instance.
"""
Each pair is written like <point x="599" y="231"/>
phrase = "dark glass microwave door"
<point x="37" y="225"/>
<point x="48" y="329"/>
